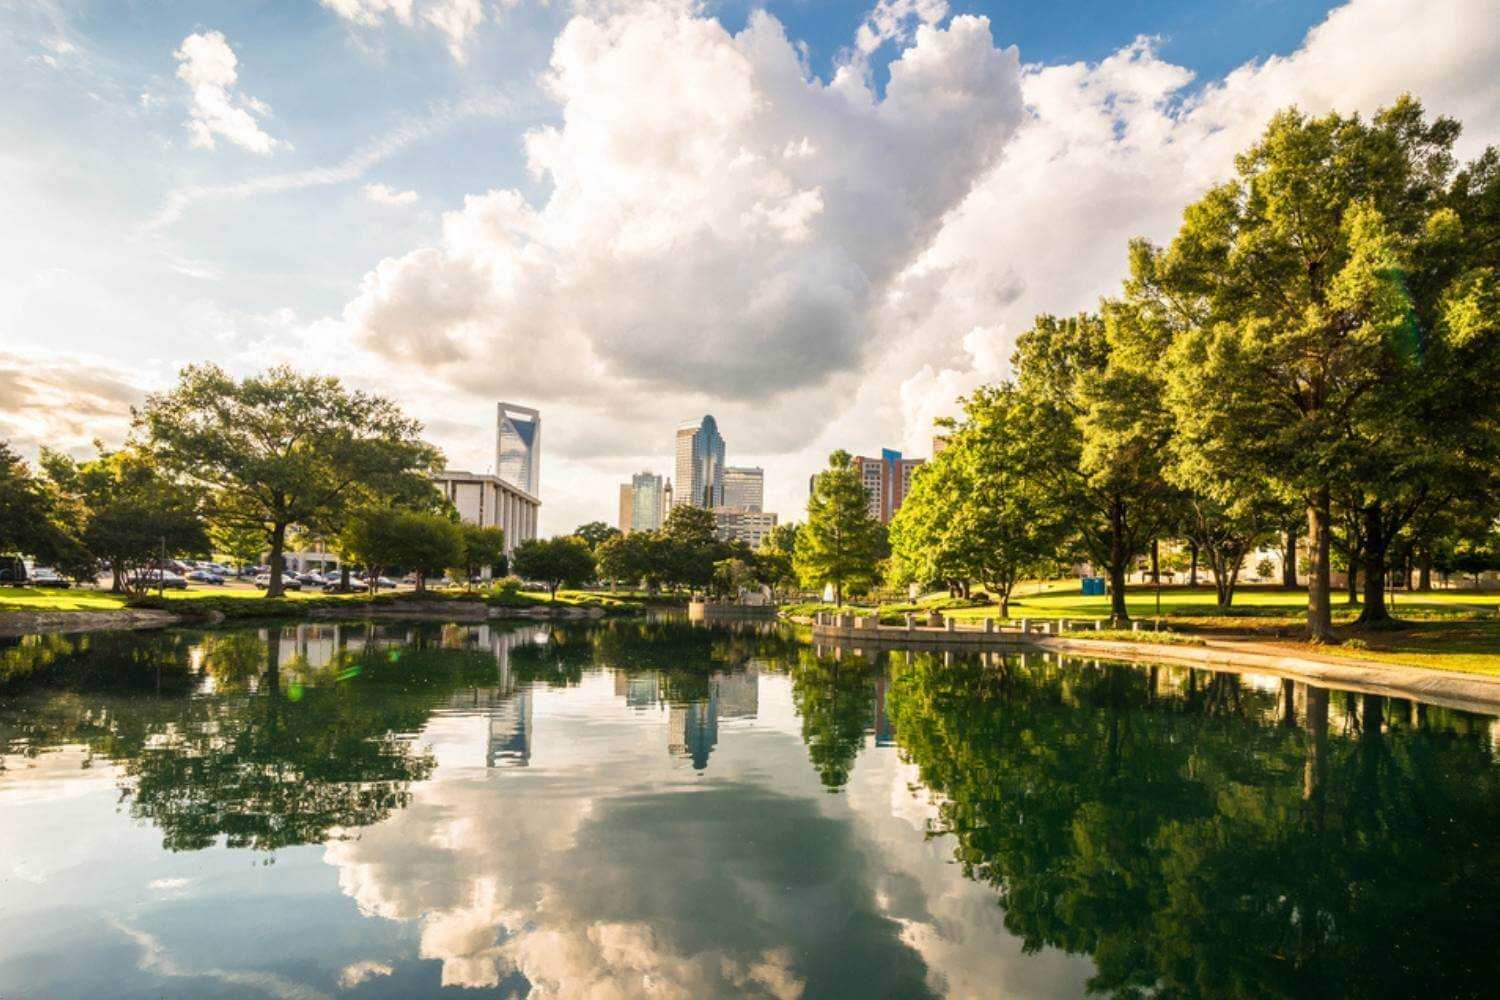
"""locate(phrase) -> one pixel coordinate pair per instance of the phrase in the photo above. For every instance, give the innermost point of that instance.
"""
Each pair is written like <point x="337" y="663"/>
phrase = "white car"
<point x="46" y="576"/>
<point x="287" y="582"/>
<point x="163" y="579"/>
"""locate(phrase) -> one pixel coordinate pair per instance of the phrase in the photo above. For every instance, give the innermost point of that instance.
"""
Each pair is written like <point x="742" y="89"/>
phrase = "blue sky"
<point x="623" y="212"/>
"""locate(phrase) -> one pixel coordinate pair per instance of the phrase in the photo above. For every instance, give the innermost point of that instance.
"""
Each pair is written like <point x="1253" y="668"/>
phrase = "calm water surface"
<point x="654" y="809"/>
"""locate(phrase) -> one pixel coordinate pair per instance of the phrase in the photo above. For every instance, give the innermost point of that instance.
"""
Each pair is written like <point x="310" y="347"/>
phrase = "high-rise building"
<point x="744" y="487"/>
<point x="886" y="480"/>
<point x="627" y="507"/>
<point x="647" y="496"/>
<point x="518" y="448"/>
<point x="736" y="524"/>
<point x="700" y="464"/>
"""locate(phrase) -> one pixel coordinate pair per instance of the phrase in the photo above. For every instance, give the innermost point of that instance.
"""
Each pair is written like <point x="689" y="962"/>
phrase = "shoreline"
<point x="1446" y="688"/>
<point x="14" y="624"/>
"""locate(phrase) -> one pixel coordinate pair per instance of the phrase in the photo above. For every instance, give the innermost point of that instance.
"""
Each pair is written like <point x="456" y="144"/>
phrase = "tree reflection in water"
<point x="250" y="741"/>
<point x="1201" y="837"/>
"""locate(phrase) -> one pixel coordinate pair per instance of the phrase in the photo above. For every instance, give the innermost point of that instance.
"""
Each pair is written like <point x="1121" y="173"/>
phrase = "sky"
<point x="822" y="222"/>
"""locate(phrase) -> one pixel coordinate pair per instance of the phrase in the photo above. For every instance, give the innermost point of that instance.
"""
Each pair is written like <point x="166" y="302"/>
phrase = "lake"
<point x="649" y="808"/>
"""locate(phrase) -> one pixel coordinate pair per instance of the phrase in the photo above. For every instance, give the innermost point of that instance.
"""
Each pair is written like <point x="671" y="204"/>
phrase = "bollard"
<point x="910" y="622"/>
<point x="1098" y="624"/>
<point x="948" y="624"/>
<point x="1062" y="625"/>
<point x="989" y="626"/>
<point x="1024" y="626"/>
<point x="1135" y="626"/>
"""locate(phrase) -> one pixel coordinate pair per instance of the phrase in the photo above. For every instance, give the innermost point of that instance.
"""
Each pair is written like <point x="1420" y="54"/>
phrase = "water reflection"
<point x="656" y="808"/>
<point x="1197" y="834"/>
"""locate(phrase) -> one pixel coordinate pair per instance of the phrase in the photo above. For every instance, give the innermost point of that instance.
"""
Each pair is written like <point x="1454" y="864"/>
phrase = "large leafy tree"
<point x="380" y="537"/>
<point x="841" y="543"/>
<point x="1095" y="433"/>
<point x="554" y="561"/>
<point x="1313" y="305"/>
<point x="281" y="448"/>
<point x="595" y="532"/>
<point x="978" y="510"/>
<point x="130" y="512"/>
<point x="688" y="546"/>
<point x="482" y="548"/>
<point x="29" y="511"/>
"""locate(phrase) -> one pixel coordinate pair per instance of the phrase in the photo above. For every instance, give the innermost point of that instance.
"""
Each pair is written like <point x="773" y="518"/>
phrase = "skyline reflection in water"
<point x="637" y="808"/>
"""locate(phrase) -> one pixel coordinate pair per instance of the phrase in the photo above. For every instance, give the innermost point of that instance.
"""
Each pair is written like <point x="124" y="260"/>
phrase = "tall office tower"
<point x="886" y="480"/>
<point x="518" y="447"/>
<point x="744" y="487"/>
<point x="627" y="507"/>
<point x="666" y="501"/>
<point x="646" y="494"/>
<point x="700" y="465"/>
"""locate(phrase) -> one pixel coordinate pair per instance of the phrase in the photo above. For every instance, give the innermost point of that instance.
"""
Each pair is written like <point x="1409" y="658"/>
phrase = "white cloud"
<point x="455" y="20"/>
<point x="384" y="194"/>
<point x="208" y="66"/>
<point x="681" y="249"/>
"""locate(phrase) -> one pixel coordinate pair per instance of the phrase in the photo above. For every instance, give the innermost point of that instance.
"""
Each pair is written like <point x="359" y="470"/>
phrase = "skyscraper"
<point x="886" y="480"/>
<point x="647" y="509"/>
<point x="744" y="487"/>
<point x="700" y="464"/>
<point x="518" y="447"/>
<point x="627" y="507"/>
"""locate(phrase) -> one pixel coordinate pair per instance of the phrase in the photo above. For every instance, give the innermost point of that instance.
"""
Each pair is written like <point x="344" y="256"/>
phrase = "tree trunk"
<point x="1374" y="559"/>
<point x="278" y="545"/>
<point x="1119" y="564"/>
<point x="1352" y="582"/>
<point x="343" y="576"/>
<point x="1424" y="571"/>
<point x="1319" y="610"/>
<point x="1155" y="561"/>
<point x="117" y="577"/>
<point x="1193" y="566"/>
<point x="1289" y="557"/>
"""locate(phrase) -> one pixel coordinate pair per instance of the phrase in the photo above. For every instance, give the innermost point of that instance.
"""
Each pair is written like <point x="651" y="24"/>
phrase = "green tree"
<point x="595" y="532"/>
<point x="841" y="543"/>
<point x="554" y="561"/>
<point x="484" y="548"/>
<point x="425" y="543"/>
<point x="978" y="510"/>
<point x="1096" y="433"/>
<point x="688" y="546"/>
<point x="281" y="448"/>
<point x="29" y="511"/>
<point x="132" y="512"/>
<point x="242" y="542"/>
<point x="1305" y="297"/>
<point x="625" y="558"/>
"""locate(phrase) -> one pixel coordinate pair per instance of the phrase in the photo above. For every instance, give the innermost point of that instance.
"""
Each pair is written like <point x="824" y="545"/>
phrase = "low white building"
<point x="491" y="502"/>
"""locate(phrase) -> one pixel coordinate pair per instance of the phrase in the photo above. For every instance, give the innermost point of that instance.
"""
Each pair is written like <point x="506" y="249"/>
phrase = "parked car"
<point x="163" y="579"/>
<point x="12" y="570"/>
<point x="204" y="576"/>
<point x="46" y="576"/>
<point x="287" y="582"/>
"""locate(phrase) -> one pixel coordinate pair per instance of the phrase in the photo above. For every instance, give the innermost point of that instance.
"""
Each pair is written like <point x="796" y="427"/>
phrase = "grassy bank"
<point x="1443" y="630"/>
<point x="240" y="603"/>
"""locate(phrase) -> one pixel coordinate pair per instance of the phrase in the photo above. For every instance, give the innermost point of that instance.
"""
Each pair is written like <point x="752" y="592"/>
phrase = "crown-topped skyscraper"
<point x="518" y="447"/>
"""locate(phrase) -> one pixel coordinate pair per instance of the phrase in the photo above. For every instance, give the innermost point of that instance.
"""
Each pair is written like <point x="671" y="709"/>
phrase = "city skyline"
<point x="530" y="203"/>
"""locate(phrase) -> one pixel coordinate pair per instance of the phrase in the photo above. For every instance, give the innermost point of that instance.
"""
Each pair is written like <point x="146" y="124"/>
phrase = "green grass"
<point x="49" y="599"/>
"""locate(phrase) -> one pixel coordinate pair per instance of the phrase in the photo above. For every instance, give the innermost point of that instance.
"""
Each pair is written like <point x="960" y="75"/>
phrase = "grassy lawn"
<point x="1444" y="630"/>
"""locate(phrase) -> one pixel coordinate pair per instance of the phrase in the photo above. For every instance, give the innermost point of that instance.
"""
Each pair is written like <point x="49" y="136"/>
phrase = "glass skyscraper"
<point x="518" y="447"/>
<point x="700" y="465"/>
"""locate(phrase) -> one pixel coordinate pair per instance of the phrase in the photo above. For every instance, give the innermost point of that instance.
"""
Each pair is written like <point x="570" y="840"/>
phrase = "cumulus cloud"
<point x="384" y="194"/>
<point x="1116" y="149"/>
<point x="718" y="220"/>
<point x="208" y="66"/>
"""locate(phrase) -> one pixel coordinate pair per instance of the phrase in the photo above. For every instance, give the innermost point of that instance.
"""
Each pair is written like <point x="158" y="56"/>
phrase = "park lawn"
<point x="1467" y="646"/>
<point x="53" y="599"/>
